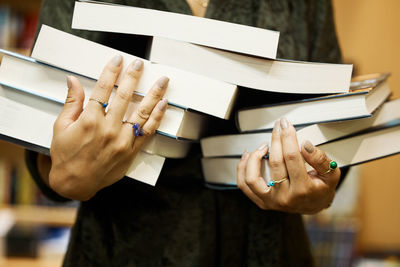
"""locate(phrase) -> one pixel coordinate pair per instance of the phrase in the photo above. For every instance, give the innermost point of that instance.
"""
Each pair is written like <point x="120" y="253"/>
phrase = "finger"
<point x="241" y="174"/>
<point x="125" y="91"/>
<point x="291" y="153"/>
<point x="253" y="177"/>
<point x="105" y="84"/>
<point x="276" y="163"/>
<point x="146" y="106"/>
<point x="73" y="104"/>
<point x="151" y="125"/>
<point x="320" y="162"/>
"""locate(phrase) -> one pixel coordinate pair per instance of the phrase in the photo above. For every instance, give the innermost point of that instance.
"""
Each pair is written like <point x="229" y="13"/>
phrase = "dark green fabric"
<point x="180" y="222"/>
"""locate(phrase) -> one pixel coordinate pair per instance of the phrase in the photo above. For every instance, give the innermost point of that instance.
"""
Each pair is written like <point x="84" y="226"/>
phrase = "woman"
<point x="179" y="222"/>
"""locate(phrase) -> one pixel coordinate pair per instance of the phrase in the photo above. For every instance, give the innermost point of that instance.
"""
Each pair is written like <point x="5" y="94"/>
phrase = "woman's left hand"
<point x="303" y="192"/>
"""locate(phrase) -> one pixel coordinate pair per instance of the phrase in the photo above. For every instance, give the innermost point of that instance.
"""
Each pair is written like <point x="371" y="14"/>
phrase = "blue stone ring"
<point x="273" y="182"/>
<point x="137" y="130"/>
<point x="103" y="104"/>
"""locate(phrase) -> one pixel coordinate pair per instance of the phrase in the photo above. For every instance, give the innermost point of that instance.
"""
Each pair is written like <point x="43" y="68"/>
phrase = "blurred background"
<point x="361" y="228"/>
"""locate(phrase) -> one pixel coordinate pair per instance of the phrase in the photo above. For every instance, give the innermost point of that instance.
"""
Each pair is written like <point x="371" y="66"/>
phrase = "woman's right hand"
<point x="92" y="149"/>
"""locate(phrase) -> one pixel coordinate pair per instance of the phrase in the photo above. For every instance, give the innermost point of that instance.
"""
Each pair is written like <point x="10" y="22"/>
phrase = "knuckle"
<point x="105" y="84"/>
<point x="143" y="113"/>
<point x="89" y="122"/>
<point x="291" y="156"/>
<point x="254" y="155"/>
<point x="148" y="132"/>
<point x="321" y="158"/>
<point x="157" y="115"/>
<point x="122" y="147"/>
<point x="275" y="163"/>
<point x="302" y="194"/>
<point x="252" y="181"/>
<point x="289" y="132"/>
<point x="284" y="203"/>
<point x="130" y="72"/>
<point x="124" y="95"/>
<point x="113" y="69"/>
<point x="70" y="99"/>
<point x="110" y="134"/>
<point x="157" y="92"/>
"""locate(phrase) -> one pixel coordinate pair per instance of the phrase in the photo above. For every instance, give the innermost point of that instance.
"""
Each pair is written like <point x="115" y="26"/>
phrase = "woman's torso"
<point x="180" y="222"/>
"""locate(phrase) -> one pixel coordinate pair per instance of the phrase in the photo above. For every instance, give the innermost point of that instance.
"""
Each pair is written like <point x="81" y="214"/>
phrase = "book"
<point x="346" y="152"/>
<point x="98" y="16"/>
<point x="185" y="89"/>
<point x="358" y="103"/>
<point x="284" y="76"/>
<point x="46" y="81"/>
<point x="167" y="147"/>
<point x="28" y="121"/>
<point x="236" y="144"/>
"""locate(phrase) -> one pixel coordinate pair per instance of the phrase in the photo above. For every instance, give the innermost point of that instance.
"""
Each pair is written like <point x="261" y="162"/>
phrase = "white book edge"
<point x="360" y="149"/>
<point x="50" y="83"/>
<point x="204" y="31"/>
<point x="185" y="89"/>
<point x="282" y="76"/>
<point x="31" y="120"/>
<point x="216" y="146"/>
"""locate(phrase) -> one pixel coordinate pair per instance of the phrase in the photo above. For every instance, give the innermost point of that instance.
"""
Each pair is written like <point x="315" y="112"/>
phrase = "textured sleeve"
<point x="324" y="45"/>
<point x="31" y="163"/>
<point x="58" y="14"/>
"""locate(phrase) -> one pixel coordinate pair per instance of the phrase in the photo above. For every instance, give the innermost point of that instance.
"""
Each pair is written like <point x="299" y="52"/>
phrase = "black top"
<point x="180" y="222"/>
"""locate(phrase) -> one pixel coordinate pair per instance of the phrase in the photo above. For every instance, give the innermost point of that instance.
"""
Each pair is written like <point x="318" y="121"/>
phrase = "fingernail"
<point x="163" y="104"/>
<point x="284" y="123"/>
<point x="277" y="127"/>
<point x="245" y="155"/>
<point x="162" y="82"/>
<point x="263" y="146"/>
<point x="308" y="146"/>
<point x="137" y="64"/>
<point x="116" y="60"/>
<point x="69" y="82"/>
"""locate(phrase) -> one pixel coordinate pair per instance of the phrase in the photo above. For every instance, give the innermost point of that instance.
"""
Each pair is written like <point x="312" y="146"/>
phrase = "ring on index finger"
<point x="103" y="104"/>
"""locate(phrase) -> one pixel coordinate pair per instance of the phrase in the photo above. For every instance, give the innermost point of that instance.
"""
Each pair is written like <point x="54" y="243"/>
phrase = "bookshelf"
<point x="19" y="196"/>
<point x="23" y="5"/>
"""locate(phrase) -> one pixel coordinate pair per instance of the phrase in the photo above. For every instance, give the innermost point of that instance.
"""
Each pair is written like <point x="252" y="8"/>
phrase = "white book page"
<point x="88" y="58"/>
<point x="50" y="83"/>
<point x="253" y="72"/>
<point x="317" y="134"/>
<point x="209" y="32"/>
<point x="27" y="118"/>
<point x="345" y="152"/>
<point x="30" y="119"/>
<point x="339" y="108"/>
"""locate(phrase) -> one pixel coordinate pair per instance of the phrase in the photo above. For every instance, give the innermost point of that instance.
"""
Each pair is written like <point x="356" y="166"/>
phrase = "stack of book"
<point x="206" y="61"/>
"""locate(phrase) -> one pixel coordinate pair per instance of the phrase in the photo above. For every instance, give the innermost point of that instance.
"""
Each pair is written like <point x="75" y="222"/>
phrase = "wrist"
<point x="72" y="186"/>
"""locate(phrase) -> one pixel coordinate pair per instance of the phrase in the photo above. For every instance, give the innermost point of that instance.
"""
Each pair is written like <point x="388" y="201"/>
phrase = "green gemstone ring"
<point x="332" y="166"/>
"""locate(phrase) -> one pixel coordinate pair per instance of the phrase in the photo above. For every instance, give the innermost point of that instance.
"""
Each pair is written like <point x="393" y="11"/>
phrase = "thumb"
<point x="317" y="159"/>
<point x="73" y="104"/>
